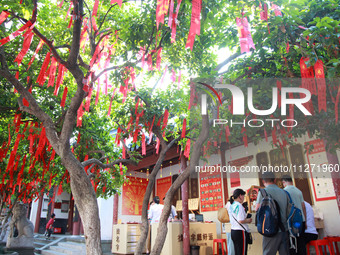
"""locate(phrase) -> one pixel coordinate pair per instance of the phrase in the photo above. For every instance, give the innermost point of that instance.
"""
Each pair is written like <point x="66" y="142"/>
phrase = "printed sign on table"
<point x="133" y="195"/>
<point x="210" y="190"/>
<point x="162" y="187"/>
<point x="320" y="171"/>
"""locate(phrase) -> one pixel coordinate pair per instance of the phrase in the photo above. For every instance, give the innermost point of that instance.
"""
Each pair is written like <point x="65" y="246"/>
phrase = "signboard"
<point x="162" y="187"/>
<point x="319" y="170"/>
<point x="133" y="195"/>
<point x="210" y="190"/>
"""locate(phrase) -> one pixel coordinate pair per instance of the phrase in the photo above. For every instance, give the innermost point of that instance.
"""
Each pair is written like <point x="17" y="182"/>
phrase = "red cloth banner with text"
<point x="162" y="187"/>
<point x="211" y="196"/>
<point x="133" y="194"/>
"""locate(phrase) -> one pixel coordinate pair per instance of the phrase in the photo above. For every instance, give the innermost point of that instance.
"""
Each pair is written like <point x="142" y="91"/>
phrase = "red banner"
<point x="210" y="189"/>
<point x="133" y="195"/>
<point x="162" y="187"/>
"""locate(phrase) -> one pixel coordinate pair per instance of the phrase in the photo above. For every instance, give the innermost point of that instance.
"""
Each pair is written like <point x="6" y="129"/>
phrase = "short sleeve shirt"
<point x="155" y="213"/>
<point x="296" y="196"/>
<point x="236" y="211"/>
<point x="280" y="196"/>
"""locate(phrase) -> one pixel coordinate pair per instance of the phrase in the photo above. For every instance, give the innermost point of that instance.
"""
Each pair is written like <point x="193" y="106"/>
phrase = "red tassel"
<point x="184" y="128"/>
<point x="88" y="101"/>
<point x="25" y="102"/>
<point x="70" y="23"/>
<point x="63" y="100"/>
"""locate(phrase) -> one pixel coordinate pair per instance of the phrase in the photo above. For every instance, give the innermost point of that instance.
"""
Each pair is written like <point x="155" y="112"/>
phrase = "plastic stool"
<point x="320" y="243"/>
<point x="333" y="243"/>
<point x="221" y="241"/>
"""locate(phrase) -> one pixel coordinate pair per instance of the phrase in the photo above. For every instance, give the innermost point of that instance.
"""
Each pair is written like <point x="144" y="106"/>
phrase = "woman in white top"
<point x="238" y="220"/>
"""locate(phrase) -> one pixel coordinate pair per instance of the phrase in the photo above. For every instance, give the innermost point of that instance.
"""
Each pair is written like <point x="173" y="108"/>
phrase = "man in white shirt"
<point x="155" y="210"/>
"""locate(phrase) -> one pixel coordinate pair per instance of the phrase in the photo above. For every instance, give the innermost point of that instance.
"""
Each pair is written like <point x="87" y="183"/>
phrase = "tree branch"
<point x="226" y="61"/>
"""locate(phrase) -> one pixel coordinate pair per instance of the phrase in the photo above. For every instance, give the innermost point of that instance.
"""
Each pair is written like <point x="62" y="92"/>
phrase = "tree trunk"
<point x="145" y="223"/>
<point x="86" y="201"/>
<point x="194" y="160"/>
<point x="185" y="211"/>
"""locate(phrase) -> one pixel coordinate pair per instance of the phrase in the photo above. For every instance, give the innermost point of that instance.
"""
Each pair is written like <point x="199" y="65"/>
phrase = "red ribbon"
<point x="63" y="100"/>
<point x="187" y="149"/>
<point x="143" y="145"/>
<point x="119" y="2"/>
<point x="60" y="78"/>
<point x="15" y="34"/>
<point x="51" y="75"/>
<point x="184" y="128"/>
<point x="320" y="80"/>
<point x="41" y="77"/>
<point x="165" y="120"/>
<point x="35" y="53"/>
<point x="95" y="8"/>
<point x="80" y="114"/>
<point x="25" y="46"/>
<point x="88" y="101"/>
<point x="195" y="26"/>
<point x="3" y="16"/>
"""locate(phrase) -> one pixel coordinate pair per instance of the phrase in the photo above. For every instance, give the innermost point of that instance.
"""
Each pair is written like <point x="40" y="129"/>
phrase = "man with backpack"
<point x="298" y="201"/>
<point x="272" y="204"/>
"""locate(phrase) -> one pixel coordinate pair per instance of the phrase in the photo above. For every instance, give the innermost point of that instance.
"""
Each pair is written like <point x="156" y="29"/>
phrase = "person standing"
<point x="298" y="201"/>
<point x="279" y="242"/>
<point x="155" y="210"/>
<point x="238" y="220"/>
<point x="49" y="226"/>
<point x="310" y="232"/>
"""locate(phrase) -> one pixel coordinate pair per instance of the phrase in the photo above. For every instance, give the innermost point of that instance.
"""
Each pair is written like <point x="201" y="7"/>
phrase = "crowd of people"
<point x="280" y="242"/>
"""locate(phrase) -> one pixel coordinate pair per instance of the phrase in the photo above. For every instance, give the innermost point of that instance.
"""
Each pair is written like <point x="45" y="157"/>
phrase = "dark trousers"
<point x="301" y="243"/>
<point x="309" y="237"/>
<point x="239" y="240"/>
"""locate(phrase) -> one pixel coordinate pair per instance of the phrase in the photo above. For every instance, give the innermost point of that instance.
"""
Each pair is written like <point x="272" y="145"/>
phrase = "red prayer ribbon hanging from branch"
<point x="246" y="41"/>
<point x="307" y="75"/>
<point x="41" y="43"/>
<point x="119" y="2"/>
<point x="63" y="100"/>
<point x="25" y="46"/>
<point x="320" y="80"/>
<point x="195" y="26"/>
<point x="41" y="77"/>
<point x="15" y="34"/>
<point x="95" y="8"/>
<point x="3" y="16"/>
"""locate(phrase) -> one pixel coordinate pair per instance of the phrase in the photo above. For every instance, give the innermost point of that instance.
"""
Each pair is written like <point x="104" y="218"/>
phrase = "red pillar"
<point x="185" y="211"/>
<point x="37" y="217"/>
<point x="115" y="209"/>
<point x="334" y="162"/>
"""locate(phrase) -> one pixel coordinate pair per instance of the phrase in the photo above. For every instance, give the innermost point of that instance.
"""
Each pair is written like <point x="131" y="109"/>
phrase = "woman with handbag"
<point x="238" y="221"/>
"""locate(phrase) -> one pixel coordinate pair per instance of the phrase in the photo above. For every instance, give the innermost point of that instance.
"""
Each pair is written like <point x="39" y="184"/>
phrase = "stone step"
<point x="38" y="244"/>
<point x="73" y="245"/>
<point x="66" y="250"/>
<point x="50" y="252"/>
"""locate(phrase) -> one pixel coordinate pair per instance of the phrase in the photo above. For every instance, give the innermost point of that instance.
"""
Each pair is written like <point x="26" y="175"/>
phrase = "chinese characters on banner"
<point x="210" y="190"/>
<point x="162" y="187"/>
<point x="319" y="171"/>
<point x="133" y="195"/>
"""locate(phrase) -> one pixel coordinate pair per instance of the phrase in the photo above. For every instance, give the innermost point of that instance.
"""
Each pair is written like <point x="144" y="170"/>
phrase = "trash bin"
<point x="194" y="250"/>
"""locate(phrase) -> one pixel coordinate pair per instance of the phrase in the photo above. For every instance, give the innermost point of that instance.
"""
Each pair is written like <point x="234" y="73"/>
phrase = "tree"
<point x="100" y="45"/>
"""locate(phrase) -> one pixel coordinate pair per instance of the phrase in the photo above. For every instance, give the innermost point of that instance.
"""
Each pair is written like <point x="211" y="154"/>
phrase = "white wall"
<point x="106" y="217"/>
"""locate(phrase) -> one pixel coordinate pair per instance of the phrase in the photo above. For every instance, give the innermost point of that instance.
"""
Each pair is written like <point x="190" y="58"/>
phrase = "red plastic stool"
<point x="221" y="241"/>
<point x="333" y="243"/>
<point x="319" y="244"/>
